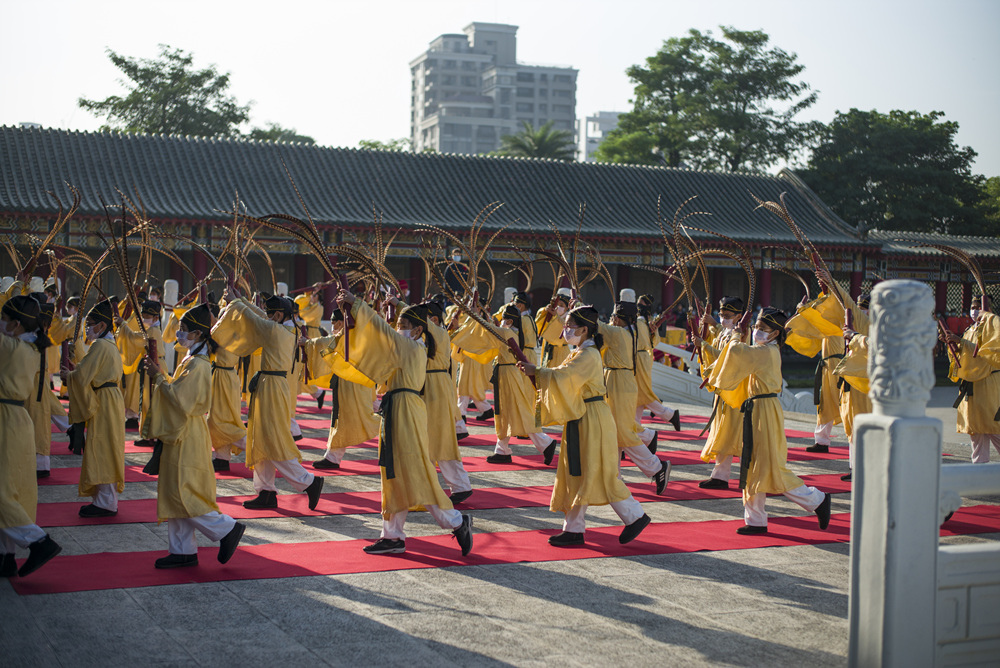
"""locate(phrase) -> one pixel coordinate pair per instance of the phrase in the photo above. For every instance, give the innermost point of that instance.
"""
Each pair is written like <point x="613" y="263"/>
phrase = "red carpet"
<point x="279" y="560"/>
<point x="361" y="503"/>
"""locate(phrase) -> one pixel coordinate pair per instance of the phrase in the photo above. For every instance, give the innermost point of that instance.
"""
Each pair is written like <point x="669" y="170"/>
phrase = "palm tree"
<point x="541" y="143"/>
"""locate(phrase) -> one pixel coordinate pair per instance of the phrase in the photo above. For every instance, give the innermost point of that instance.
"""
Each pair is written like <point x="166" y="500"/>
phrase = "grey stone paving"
<point x="763" y="607"/>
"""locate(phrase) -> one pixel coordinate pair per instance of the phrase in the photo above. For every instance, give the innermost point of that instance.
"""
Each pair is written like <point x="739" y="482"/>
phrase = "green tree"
<point x="991" y="203"/>
<point x="401" y="144"/>
<point x="898" y="171"/>
<point x="275" y="132"/>
<point x="167" y="95"/>
<point x="543" y="142"/>
<point x="713" y="104"/>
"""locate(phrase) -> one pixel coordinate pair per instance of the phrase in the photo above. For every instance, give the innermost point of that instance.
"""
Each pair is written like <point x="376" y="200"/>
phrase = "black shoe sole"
<point x="229" y="542"/>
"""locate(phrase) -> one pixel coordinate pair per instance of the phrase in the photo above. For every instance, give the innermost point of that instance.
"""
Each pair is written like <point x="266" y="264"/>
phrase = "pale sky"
<point x="338" y="71"/>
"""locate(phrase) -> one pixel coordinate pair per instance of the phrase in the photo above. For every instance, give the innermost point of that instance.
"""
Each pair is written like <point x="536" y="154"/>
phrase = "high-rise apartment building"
<point x="468" y="90"/>
<point x="592" y="130"/>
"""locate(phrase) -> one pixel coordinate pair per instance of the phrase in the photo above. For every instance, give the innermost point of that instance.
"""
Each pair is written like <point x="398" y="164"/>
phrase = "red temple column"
<point x="941" y="296"/>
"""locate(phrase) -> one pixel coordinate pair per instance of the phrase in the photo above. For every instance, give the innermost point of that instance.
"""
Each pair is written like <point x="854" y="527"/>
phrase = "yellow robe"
<point x="976" y="412"/>
<point x="241" y="330"/>
<point x="473" y="376"/>
<point x="133" y="348"/>
<point x="41" y="417"/>
<point x="556" y="349"/>
<point x="18" y="382"/>
<point x="311" y="314"/>
<point x="739" y="362"/>
<point x="356" y="422"/>
<point x="619" y="377"/>
<point x="563" y="390"/>
<point x="811" y="334"/>
<point x="439" y="397"/>
<point x="385" y="356"/>
<point x="516" y="404"/>
<point x="104" y="412"/>
<point x="60" y="330"/>
<point x="225" y="421"/>
<point x="644" y="365"/>
<point x="185" y="486"/>
<point x="294" y="380"/>
<point x="725" y="436"/>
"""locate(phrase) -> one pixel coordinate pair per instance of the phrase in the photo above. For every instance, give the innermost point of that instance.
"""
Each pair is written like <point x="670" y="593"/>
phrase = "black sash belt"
<point x="495" y="381"/>
<point x="12" y="402"/>
<point x="746" y="456"/>
<point x="216" y="367"/>
<point x="77" y="431"/>
<point x="107" y="385"/>
<point x="965" y="390"/>
<point x="437" y="371"/>
<point x="818" y="381"/>
<point x="571" y="441"/>
<point x="253" y="387"/>
<point x="245" y="368"/>
<point x="547" y="351"/>
<point x="841" y="384"/>
<point x="385" y="455"/>
<point x="334" y="401"/>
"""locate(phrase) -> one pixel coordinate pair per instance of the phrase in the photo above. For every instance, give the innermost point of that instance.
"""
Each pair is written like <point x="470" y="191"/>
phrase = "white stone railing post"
<point x="894" y="519"/>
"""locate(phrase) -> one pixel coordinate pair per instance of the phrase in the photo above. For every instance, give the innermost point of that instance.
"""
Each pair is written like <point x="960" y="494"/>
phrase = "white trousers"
<point x="106" y="497"/>
<point x="61" y="422"/>
<point x="461" y="427"/>
<point x="319" y="391"/>
<point x="540" y="440"/>
<point x="42" y="462"/>
<point x="335" y="455"/>
<point x="291" y="469"/>
<point x="455" y="476"/>
<point x="463" y="405"/>
<point x="20" y="536"/>
<point x="656" y="408"/>
<point x="628" y="510"/>
<point x="295" y="428"/>
<point x="823" y="433"/>
<point x="180" y="530"/>
<point x="647" y="462"/>
<point x="755" y="515"/>
<point x="227" y="453"/>
<point x="392" y="528"/>
<point x="981" y="447"/>
<point x="723" y="468"/>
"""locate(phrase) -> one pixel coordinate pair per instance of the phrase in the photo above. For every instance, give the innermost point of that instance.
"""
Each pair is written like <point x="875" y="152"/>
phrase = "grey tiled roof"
<point x="896" y="243"/>
<point x="185" y="178"/>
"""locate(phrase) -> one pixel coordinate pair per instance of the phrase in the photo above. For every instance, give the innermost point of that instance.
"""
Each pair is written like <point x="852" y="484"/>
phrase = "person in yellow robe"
<point x="39" y="405"/>
<point x="725" y="435"/>
<point x="749" y="376"/>
<point x="75" y="349"/>
<point x="398" y="358"/>
<point x="522" y="302"/>
<point x="133" y="346"/>
<point x="573" y="395"/>
<point x="646" y="340"/>
<point x="978" y="376"/>
<point x="125" y="331"/>
<point x="241" y="329"/>
<point x="225" y="419"/>
<point x="170" y="330"/>
<point x="352" y="418"/>
<point x="549" y="322"/>
<point x="185" y="488"/>
<point x="619" y="351"/>
<point x="96" y="404"/>
<point x="513" y="394"/>
<point x="311" y="313"/>
<point x="21" y="345"/>
<point x="473" y="376"/>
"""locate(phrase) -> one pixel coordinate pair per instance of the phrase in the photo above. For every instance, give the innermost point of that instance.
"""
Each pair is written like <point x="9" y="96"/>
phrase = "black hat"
<point x="584" y="314"/>
<point x="732" y="304"/>
<point x="434" y="309"/>
<point x="626" y="311"/>
<point x="25" y="309"/>
<point x="104" y="312"/>
<point x="73" y="301"/>
<point x="274" y="303"/>
<point x="510" y="311"/>
<point x="337" y="315"/>
<point x="645" y="300"/>
<point x="149" y="307"/>
<point x="522" y="298"/>
<point x="774" y="317"/>
<point x="210" y="298"/>
<point x="198" y="318"/>
<point x="46" y="311"/>
<point x="864" y="300"/>
<point x="417" y="314"/>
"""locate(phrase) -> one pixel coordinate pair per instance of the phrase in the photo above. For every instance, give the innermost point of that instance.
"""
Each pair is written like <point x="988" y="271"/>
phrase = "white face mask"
<point x="974" y="313"/>
<point x="7" y="328"/>
<point x="72" y="310"/>
<point x="760" y="337"/>
<point x="571" y="339"/>
<point x="863" y="310"/>
<point x="560" y="310"/>
<point x="154" y="298"/>
<point x="148" y="322"/>
<point x="728" y="323"/>
<point x="91" y="333"/>
<point x="507" y="324"/>
<point x="456" y="258"/>
<point x="182" y="338"/>
<point x="408" y="333"/>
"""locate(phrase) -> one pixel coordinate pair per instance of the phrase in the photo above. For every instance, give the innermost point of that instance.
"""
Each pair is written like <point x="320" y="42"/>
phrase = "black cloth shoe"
<point x="714" y="483"/>
<point x="42" y="473"/>
<point x="220" y="464"/>
<point x="499" y="459"/>
<point x="386" y="546"/>
<point x="823" y="512"/>
<point x="488" y="414"/>
<point x="632" y="531"/>
<point x="41" y="551"/>
<point x="948" y="516"/>
<point x="458" y="497"/>
<point x="91" y="510"/>
<point x="227" y="546"/>
<point x="459" y="435"/>
<point x="676" y="420"/>
<point x="847" y="478"/>
<point x="661" y="477"/>
<point x="818" y="447"/>
<point x="8" y="565"/>
<point x="265" y="499"/>
<point x="654" y="442"/>
<point x="320" y="400"/>
<point x="297" y="438"/>
<point x="748" y="530"/>
<point x="177" y="561"/>
<point x="313" y="491"/>
<point x="325" y="465"/>
<point x="132" y="423"/>
<point x="464" y="535"/>
<point x="549" y="452"/>
<point x="144" y="443"/>
<point x="565" y="539"/>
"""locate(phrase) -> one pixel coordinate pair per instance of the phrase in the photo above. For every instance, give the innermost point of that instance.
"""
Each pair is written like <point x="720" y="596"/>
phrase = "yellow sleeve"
<point x="132" y="347"/>
<point x="734" y="366"/>
<point x="241" y="330"/>
<point x="375" y="350"/>
<point x="978" y="363"/>
<point x="560" y="388"/>
<point x="476" y="343"/>
<point x="854" y="367"/>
